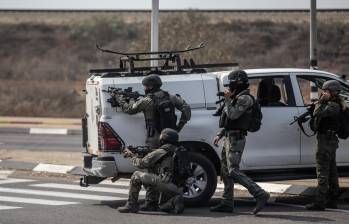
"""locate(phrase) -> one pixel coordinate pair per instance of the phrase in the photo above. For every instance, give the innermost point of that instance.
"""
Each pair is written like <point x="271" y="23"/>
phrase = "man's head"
<point x="151" y="83"/>
<point x="331" y="88"/>
<point x="238" y="81"/>
<point x="169" y="135"/>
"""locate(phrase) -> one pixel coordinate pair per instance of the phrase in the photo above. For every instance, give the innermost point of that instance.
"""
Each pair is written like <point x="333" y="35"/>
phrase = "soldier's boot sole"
<point x="261" y="202"/>
<point x="315" y="207"/>
<point x="222" y="208"/>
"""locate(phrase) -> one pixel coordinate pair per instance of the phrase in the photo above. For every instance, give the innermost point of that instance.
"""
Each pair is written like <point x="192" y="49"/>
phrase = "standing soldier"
<point x="158" y="107"/>
<point x="161" y="161"/>
<point x="235" y="121"/>
<point x="326" y="122"/>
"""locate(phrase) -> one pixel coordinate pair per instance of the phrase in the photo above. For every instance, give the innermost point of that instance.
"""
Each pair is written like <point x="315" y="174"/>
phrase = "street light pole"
<point x="313" y="35"/>
<point x="154" y="30"/>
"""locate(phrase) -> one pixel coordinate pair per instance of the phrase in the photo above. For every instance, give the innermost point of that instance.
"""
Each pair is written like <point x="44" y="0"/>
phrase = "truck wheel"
<point x="201" y="186"/>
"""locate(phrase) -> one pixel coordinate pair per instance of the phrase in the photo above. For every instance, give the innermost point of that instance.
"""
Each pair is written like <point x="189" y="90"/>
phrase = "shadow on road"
<point x="243" y="207"/>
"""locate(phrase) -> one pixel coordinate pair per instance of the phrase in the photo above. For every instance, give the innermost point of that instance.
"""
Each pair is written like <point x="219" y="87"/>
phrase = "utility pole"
<point x="313" y="48"/>
<point x="154" y="30"/>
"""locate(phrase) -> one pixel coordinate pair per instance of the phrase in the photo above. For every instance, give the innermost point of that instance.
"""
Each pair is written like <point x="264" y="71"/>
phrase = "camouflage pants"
<point x="150" y="180"/>
<point x="152" y="140"/>
<point x="230" y="173"/>
<point x="326" y="168"/>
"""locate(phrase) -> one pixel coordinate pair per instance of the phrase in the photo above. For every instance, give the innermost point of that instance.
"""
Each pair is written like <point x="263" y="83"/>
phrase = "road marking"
<point x="91" y="188"/>
<point x="270" y="187"/>
<point x="3" y="207"/>
<point x="59" y="194"/>
<point x="36" y="201"/>
<point x="42" y="167"/>
<point x="5" y="173"/>
<point x="12" y="181"/>
<point x="49" y="131"/>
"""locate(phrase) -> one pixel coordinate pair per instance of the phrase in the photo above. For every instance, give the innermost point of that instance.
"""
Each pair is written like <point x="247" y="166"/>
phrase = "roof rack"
<point x="172" y="61"/>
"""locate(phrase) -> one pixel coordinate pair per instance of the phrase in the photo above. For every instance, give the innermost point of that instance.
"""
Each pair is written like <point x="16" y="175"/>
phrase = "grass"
<point x="44" y="64"/>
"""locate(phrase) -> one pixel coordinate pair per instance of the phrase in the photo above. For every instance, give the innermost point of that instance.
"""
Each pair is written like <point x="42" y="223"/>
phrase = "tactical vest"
<point x="242" y="123"/>
<point x="329" y="123"/>
<point x="164" y="164"/>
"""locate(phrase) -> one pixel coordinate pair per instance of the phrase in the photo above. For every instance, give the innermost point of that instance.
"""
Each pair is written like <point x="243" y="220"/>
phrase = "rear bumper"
<point x="99" y="166"/>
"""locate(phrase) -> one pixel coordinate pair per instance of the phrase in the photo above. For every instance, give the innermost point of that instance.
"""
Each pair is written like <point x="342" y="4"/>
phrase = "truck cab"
<point x="277" y="151"/>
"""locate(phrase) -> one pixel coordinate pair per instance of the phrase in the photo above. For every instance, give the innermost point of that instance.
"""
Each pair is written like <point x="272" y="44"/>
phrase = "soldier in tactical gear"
<point x="234" y="122"/>
<point x="148" y="105"/>
<point x="326" y="122"/>
<point x="159" y="160"/>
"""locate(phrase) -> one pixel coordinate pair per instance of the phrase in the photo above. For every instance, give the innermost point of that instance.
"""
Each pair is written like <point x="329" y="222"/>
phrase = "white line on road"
<point x="49" y="131"/>
<point x="59" y="194"/>
<point x="270" y="187"/>
<point x="3" y="207"/>
<point x="42" y="167"/>
<point x="5" y="173"/>
<point x="13" y="180"/>
<point x="35" y="201"/>
<point x="78" y="188"/>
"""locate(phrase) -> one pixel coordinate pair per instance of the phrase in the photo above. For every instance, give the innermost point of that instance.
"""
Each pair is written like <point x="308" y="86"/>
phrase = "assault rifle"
<point x="219" y="111"/>
<point x="127" y="93"/>
<point x="306" y="116"/>
<point x="140" y="151"/>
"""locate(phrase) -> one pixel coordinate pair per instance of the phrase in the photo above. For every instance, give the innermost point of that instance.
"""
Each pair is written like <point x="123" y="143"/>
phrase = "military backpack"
<point x="343" y="131"/>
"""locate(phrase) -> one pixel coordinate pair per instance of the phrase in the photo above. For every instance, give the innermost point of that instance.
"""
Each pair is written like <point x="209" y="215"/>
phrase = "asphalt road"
<point x="58" y="201"/>
<point x="70" y="143"/>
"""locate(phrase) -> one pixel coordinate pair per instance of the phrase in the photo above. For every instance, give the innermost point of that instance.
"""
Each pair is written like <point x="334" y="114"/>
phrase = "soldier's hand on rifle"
<point x="127" y="153"/>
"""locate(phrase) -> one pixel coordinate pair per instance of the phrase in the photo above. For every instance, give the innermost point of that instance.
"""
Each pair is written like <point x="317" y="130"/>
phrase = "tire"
<point x="203" y="171"/>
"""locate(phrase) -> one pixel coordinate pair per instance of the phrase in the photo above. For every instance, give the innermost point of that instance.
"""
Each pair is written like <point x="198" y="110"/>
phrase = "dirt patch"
<point x="59" y="158"/>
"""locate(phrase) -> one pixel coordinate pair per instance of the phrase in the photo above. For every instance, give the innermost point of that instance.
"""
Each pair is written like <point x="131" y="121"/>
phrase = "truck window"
<point x="305" y="82"/>
<point x="270" y="91"/>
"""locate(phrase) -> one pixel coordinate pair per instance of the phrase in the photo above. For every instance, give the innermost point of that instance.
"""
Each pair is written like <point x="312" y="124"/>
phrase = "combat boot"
<point x="178" y="204"/>
<point x="261" y="202"/>
<point x="128" y="208"/>
<point x="315" y="207"/>
<point x="221" y="207"/>
<point x="149" y="207"/>
<point x="175" y="204"/>
<point x="331" y="204"/>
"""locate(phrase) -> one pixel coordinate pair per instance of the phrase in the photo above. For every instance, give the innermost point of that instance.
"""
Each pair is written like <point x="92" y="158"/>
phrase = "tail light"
<point x="108" y="140"/>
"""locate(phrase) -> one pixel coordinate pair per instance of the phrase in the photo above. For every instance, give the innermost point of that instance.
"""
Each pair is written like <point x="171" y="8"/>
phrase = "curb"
<point x="41" y="167"/>
<point x="44" y="131"/>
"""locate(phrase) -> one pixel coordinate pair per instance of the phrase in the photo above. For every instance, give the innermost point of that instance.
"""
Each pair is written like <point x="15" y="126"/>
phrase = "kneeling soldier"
<point x="159" y="160"/>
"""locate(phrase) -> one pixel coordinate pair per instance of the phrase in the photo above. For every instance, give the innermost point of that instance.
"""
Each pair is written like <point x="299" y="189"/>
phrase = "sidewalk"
<point x="35" y="125"/>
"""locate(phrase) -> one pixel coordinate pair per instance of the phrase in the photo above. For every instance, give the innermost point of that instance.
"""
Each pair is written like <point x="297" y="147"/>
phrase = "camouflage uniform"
<point x="327" y="123"/>
<point x="159" y="180"/>
<point x="234" y="144"/>
<point x="146" y="105"/>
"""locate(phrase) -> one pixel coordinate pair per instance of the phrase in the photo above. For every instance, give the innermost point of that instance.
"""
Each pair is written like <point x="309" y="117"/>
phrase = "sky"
<point x="170" y="4"/>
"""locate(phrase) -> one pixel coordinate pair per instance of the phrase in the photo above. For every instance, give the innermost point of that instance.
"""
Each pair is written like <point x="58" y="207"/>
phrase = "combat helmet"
<point x="152" y="80"/>
<point x="169" y="135"/>
<point x="332" y="85"/>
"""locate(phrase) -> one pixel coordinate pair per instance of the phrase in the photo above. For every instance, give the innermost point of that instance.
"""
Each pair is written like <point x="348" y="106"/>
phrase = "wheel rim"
<point x="196" y="184"/>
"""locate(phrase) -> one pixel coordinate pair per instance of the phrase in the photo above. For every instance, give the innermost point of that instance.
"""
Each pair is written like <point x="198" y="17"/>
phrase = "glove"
<point x="127" y="153"/>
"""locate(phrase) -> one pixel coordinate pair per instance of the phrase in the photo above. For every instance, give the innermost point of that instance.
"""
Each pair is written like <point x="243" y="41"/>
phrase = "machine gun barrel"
<point x="140" y="151"/>
<point x="127" y="93"/>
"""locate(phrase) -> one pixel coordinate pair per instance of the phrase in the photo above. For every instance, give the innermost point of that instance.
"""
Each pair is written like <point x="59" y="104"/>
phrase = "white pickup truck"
<point x="277" y="151"/>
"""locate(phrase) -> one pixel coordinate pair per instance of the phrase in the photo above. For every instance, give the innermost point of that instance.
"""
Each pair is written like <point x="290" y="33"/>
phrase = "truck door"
<point x="309" y="144"/>
<point x="276" y="143"/>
